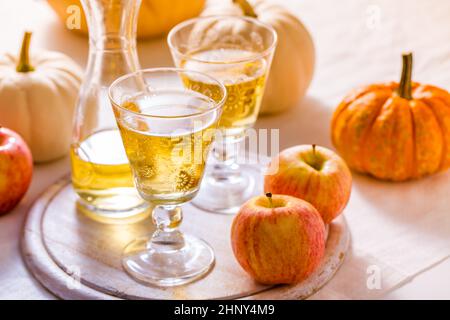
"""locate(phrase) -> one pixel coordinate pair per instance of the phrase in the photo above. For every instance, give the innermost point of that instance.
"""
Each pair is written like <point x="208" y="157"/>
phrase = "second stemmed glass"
<point x="167" y="127"/>
<point x="237" y="51"/>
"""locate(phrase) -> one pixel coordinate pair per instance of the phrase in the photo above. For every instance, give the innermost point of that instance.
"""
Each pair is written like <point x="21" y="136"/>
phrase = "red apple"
<point x="314" y="174"/>
<point x="16" y="168"/>
<point x="278" y="239"/>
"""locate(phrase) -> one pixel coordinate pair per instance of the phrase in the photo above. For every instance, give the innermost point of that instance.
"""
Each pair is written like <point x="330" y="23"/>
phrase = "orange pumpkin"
<point x="156" y="17"/>
<point x="394" y="131"/>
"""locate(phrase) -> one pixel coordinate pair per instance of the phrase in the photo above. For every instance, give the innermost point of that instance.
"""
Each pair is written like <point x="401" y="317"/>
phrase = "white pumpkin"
<point x="293" y="64"/>
<point x="37" y="100"/>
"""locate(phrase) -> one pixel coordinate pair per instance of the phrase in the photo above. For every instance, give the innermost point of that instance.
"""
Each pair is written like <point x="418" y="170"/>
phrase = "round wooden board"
<point x="61" y="246"/>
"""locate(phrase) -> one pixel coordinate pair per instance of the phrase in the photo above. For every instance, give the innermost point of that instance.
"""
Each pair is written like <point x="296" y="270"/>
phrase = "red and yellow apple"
<point x="16" y="168"/>
<point x="314" y="174"/>
<point x="278" y="239"/>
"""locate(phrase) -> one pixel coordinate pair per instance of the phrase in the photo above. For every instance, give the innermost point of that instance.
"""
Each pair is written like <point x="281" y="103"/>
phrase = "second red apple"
<point x="314" y="174"/>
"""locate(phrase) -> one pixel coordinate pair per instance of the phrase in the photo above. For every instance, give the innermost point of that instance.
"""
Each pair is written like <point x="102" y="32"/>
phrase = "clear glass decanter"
<point x="101" y="174"/>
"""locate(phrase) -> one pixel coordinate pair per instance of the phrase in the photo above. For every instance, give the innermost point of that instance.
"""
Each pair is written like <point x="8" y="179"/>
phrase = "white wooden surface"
<point x="363" y="28"/>
<point x="78" y="258"/>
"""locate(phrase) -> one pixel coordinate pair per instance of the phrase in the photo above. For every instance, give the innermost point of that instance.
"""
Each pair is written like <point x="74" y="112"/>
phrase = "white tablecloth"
<point x="401" y="230"/>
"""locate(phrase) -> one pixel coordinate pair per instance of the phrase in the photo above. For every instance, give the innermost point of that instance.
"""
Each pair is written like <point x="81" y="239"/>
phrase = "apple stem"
<point x="269" y="196"/>
<point x="314" y="149"/>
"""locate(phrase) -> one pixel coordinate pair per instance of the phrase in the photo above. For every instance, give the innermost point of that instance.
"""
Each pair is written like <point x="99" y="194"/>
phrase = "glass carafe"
<point x="101" y="174"/>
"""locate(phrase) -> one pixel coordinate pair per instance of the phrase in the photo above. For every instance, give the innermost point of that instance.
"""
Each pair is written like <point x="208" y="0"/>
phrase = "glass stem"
<point x="226" y="167"/>
<point x="167" y="218"/>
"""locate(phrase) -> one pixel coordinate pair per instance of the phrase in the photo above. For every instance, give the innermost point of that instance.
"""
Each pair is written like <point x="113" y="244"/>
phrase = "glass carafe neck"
<point x="112" y="46"/>
<point x="112" y="23"/>
<point x="112" y="53"/>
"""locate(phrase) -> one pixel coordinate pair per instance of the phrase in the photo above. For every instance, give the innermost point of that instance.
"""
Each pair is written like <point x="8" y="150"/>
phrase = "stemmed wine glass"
<point x="237" y="51"/>
<point x="167" y="126"/>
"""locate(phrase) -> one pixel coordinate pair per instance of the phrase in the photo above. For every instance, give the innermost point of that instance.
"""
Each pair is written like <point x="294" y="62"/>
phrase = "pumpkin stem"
<point x="404" y="88"/>
<point x="269" y="196"/>
<point x="246" y="8"/>
<point x="24" y="59"/>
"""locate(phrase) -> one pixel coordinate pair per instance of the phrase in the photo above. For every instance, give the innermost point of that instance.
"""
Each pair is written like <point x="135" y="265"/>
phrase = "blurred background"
<point x="357" y="42"/>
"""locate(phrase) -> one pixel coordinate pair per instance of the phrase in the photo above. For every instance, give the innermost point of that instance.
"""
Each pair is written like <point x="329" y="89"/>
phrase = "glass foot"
<point x="227" y="195"/>
<point x="163" y="264"/>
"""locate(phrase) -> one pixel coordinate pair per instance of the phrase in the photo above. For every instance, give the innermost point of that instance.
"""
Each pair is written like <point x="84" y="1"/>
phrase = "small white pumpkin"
<point x="38" y="100"/>
<point x="293" y="64"/>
